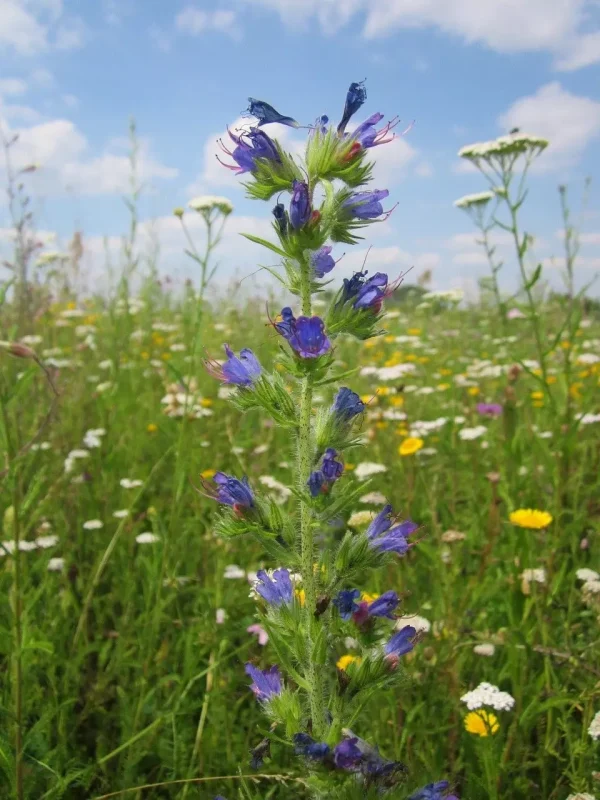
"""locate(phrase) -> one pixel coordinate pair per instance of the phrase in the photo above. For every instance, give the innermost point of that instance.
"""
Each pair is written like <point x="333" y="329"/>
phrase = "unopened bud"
<point x="179" y="212"/>
<point x="17" y="349"/>
<point x="514" y="372"/>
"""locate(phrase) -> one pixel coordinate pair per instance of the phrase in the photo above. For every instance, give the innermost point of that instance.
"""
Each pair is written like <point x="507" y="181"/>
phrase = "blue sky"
<point x="73" y="72"/>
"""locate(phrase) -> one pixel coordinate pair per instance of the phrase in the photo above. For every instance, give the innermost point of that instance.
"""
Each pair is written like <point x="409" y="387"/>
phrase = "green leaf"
<point x="534" y="278"/>
<point x="266" y="244"/>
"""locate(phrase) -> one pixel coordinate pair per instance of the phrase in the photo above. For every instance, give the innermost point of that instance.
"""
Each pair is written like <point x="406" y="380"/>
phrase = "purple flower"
<point x="231" y="492"/>
<point x="345" y="602"/>
<point x="300" y="209"/>
<point x="366" y="205"/>
<point x="265" y="683"/>
<point x="356" y="96"/>
<point x="384" y="605"/>
<point x="489" y="409"/>
<point x="249" y="147"/>
<point x="306" y="335"/>
<point x="321" y="480"/>
<point x="367" y="134"/>
<point x="387" y="539"/>
<point x="281" y="218"/>
<point x="347" y="754"/>
<point x="433" y="791"/>
<point x="367" y="293"/>
<point x="400" y="643"/>
<point x="322" y="261"/>
<point x="242" y="371"/>
<point x="276" y="590"/>
<point x="305" y="745"/>
<point x="265" y="113"/>
<point x="347" y="405"/>
<point x="356" y="755"/>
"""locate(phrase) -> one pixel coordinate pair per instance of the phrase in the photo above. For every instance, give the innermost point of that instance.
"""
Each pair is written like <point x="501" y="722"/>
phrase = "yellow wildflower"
<point x="530" y="518"/>
<point x="206" y="402"/>
<point x="344" y="661"/>
<point x="473" y="391"/>
<point x="537" y="395"/>
<point x="208" y="473"/>
<point x="410" y="446"/>
<point x="414" y="331"/>
<point x="301" y="595"/>
<point x="368" y="598"/>
<point x="151" y="427"/>
<point x="481" y="723"/>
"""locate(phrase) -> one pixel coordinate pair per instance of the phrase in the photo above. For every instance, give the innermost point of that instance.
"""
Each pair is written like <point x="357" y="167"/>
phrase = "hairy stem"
<point x="305" y="449"/>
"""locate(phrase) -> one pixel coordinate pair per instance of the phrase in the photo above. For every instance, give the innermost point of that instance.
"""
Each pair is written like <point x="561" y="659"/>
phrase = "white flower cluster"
<point x="594" y="729"/>
<point x="486" y="694"/>
<point x="513" y="144"/>
<point x="478" y="199"/>
<point x="207" y="202"/>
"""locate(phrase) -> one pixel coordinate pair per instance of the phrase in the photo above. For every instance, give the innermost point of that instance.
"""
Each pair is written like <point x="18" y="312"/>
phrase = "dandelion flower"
<point x="530" y="518"/>
<point x="481" y="723"/>
<point x="410" y="446"/>
<point x="344" y="662"/>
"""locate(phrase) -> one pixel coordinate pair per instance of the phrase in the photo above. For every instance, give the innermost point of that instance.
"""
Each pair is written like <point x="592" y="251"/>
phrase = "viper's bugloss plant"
<point x="312" y="601"/>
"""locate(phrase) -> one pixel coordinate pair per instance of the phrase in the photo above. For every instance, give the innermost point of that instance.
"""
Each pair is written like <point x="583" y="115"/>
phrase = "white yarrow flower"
<point x="485" y="649"/>
<point x="147" y="538"/>
<point x="93" y="525"/>
<point x="486" y="694"/>
<point x="128" y="483"/>
<point x="594" y="729"/>
<point x="56" y="565"/>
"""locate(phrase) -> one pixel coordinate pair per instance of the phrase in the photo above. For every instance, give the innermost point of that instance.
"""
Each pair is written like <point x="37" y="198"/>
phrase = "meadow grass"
<point x="128" y="674"/>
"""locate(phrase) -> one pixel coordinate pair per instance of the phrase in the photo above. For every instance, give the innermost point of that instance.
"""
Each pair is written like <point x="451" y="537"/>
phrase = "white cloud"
<point x="65" y="164"/>
<point x="583" y="51"/>
<point x="194" y="22"/>
<point x="161" y="38"/>
<point x="12" y="86"/>
<point x="584" y="238"/>
<point x="470" y="259"/>
<point x="567" y="120"/>
<point x="424" y="170"/>
<point x="30" y="27"/>
<point x="507" y="26"/>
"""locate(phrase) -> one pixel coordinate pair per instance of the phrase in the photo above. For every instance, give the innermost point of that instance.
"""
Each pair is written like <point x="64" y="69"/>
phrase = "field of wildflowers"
<point x="354" y="555"/>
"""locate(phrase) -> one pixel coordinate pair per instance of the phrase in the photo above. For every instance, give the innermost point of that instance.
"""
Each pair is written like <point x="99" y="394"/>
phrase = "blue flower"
<point x="387" y="539"/>
<point x="345" y="602"/>
<point x="322" y="261"/>
<point x="265" y="683"/>
<point x="368" y="136"/>
<point x="250" y="147"/>
<point x="384" y="605"/>
<point x="330" y="470"/>
<point x="265" y="113"/>
<point x="366" y="205"/>
<point x="276" y="590"/>
<point x="373" y="292"/>
<point x="300" y="209"/>
<point x="347" y="405"/>
<point x="306" y="335"/>
<point x="400" y="643"/>
<point x="356" y="96"/>
<point x="232" y="492"/>
<point x="433" y="791"/>
<point x="242" y="371"/>
<point x="315" y="482"/>
<point x="347" y="755"/>
<point x="305" y="745"/>
<point x="356" y="755"/>
<point x="281" y="218"/>
<point x="367" y="293"/>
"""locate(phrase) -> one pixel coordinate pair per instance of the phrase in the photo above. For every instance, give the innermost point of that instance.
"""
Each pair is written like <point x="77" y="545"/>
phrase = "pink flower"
<point x="260" y="632"/>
